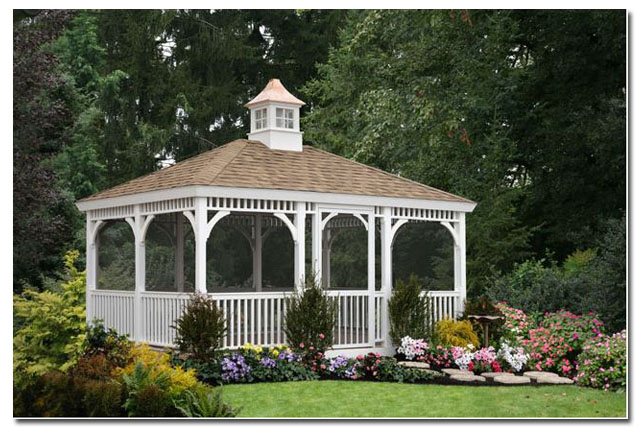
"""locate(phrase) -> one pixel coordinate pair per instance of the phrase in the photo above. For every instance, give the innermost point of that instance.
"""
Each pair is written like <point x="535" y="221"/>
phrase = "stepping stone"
<point x="554" y="380"/>
<point x="414" y="365"/>
<point x="468" y="378"/>
<point x="536" y="375"/>
<point x="453" y="372"/>
<point x="492" y="375"/>
<point x="511" y="380"/>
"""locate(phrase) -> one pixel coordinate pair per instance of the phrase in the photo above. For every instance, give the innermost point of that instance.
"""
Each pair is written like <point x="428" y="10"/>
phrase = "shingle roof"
<point x="250" y="164"/>
<point x="275" y="91"/>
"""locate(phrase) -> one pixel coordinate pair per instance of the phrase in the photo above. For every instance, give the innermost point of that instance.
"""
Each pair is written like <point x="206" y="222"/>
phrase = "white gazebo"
<point x="270" y="180"/>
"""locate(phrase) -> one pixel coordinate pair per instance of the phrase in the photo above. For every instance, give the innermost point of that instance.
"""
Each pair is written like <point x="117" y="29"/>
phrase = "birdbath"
<point x="485" y="321"/>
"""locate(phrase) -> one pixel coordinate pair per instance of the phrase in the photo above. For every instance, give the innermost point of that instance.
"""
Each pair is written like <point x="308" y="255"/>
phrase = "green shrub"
<point x="107" y="342"/>
<point x="52" y="325"/>
<point x="310" y="318"/>
<point x="204" y="402"/>
<point x="588" y="281"/>
<point x="103" y="398"/>
<point x="450" y="333"/>
<point x="603" y="363"/>
<point x="146" y="394"/>
<point x="408" y="311"/>
<point x="201" y="328"/>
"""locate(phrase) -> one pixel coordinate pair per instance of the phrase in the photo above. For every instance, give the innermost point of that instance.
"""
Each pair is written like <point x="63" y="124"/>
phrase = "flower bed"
<point x="602" y="364"/>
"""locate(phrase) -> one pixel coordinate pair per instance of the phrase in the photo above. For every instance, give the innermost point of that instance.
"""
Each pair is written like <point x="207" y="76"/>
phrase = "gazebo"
<point x="270" y="180"/>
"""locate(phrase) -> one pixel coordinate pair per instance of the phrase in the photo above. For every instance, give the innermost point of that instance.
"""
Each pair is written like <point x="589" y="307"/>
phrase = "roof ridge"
<point x="387" y="173"/>
<point x="230" y="161"/>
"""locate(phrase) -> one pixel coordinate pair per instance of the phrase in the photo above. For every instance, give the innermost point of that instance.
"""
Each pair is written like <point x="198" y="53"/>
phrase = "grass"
<point x="378" y="399"/>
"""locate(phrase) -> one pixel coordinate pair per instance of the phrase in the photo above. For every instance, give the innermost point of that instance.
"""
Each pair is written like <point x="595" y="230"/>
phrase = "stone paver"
<point x="492" y="375"/>
<point x="468" y="378"/>
<point x="554" y="380"/>
<point x="452" y="372"/>
<point x="536" y="375"/>
<point x="414" y="364"/>
<point x="512" y="380"/>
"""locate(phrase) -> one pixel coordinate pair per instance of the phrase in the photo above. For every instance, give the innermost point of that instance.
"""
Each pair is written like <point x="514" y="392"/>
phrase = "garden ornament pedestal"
<point x="485" y="321"/>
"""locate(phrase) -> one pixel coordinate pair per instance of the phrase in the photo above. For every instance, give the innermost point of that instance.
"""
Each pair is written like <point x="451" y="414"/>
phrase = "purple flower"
<point x="268" y="362"/>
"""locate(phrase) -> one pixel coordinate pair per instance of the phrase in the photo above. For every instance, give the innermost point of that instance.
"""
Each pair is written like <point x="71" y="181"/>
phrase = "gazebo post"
<point x="91" y="267"/>
<point x="138" y="224"/>
<point x="371" y="279"/>
<point x="180" y="254"/>
<point x="386" y="272"/>
<point x="258" y="252"/>
<point x="299" y="246"/>
<point x="200" y="235"/>
<point x="460" y="261"/>
<point x="316" y="245"/>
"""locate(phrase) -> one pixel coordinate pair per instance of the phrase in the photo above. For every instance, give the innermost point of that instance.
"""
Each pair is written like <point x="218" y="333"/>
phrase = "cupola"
<point x="275" y="118"/>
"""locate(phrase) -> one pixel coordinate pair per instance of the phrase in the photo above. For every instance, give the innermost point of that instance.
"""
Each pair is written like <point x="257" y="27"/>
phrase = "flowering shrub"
<point x="483" y="360"/>
<point x="513" y="358"/>
<point x="371" y="366"/>
<point x="602" y="364"/>
<point x="412" y="348"/>
<point x="257" y="364"/>
<point x="439" y="357"/>
<point x="516" y="323"/>
<point x="556" y="344"/>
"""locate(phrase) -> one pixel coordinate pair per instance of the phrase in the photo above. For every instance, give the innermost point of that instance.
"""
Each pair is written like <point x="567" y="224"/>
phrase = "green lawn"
<point x="378" y="399"/>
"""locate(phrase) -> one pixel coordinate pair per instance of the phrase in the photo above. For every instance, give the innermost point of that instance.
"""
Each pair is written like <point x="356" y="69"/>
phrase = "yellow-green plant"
<point x="159" y="366"/>
<point x="455" y="333"/>
<point x="51" y="325"/>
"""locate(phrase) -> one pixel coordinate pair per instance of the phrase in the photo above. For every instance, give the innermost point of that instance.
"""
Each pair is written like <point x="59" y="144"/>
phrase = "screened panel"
<point x="116" y="257"/>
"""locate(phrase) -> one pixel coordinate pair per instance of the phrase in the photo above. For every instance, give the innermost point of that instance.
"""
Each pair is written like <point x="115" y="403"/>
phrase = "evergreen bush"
<point x="310" y="318"/>
<point x="409" y="311"/>
<point x="201" y="328"/>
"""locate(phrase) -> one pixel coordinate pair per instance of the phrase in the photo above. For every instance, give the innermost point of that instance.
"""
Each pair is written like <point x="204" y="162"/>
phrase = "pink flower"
<point x="322" y="336"/>
<point x="301" y="345"/>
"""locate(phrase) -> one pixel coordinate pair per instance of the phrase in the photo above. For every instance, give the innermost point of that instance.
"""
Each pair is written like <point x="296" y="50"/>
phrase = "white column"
<point x="140" y="273"/>
<point x="180" y="253"/>
<point x="386" y="271"/>
<point x="327" y="249"/>
<point x="371" y="278"/>
<point x="91" y="257"/>
<point x="258" y="252"/>
<point x="460" y="261"/>
<point x="200" y="235"/>
<point x="299" y="246"/>
<point x="316" y="245"/>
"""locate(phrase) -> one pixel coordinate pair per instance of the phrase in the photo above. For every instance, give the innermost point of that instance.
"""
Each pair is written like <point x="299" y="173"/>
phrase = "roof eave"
<point x="279" y="194"/>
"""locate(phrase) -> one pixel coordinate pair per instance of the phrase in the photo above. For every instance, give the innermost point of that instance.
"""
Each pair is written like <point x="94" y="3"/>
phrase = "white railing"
<point x="351" y="328"/>
<point x="251" y="317"/>
<point x="114" y="308"/>
<point x="257" y="318"/>
<point x="443" y="304"/>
